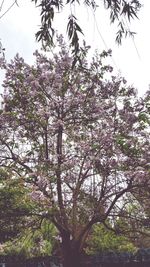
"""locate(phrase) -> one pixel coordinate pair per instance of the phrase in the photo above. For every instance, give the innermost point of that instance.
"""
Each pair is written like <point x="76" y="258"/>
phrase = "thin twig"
<point x="1" y="5"/>
<point x="15" y="2"/>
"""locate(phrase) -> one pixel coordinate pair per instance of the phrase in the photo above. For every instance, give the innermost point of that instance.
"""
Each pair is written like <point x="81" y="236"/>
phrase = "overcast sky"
<point x="18" y="27"/>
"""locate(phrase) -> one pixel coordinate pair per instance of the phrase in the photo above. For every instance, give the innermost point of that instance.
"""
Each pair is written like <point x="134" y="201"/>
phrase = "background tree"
<point x="14" y="206"/>
<point x="33" y="242"/>
<point x="75" y="140"/>
<point x="141" y="236"/>
<point x="102" y="240"/>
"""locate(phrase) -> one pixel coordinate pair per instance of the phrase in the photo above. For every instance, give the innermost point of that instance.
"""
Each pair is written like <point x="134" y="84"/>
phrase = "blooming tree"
<point x="78" y="142"/>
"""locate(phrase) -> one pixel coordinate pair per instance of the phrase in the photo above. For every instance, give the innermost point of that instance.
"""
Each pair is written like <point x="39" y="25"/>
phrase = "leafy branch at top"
<point x="120" y="10"/>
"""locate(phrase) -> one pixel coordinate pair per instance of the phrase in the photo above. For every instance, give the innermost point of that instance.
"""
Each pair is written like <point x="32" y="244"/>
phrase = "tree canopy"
<point x="77" y="142"/>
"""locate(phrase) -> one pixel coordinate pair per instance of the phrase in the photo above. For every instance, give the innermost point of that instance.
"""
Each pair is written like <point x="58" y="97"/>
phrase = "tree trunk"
<point x="71" y="254"/>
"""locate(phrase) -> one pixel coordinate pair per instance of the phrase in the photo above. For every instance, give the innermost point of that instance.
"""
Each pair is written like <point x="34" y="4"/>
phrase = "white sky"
<point x="18" y="27"/>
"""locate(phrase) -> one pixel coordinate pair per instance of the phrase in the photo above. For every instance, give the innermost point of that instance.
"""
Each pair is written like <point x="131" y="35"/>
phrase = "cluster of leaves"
<point x="118" y="11"/>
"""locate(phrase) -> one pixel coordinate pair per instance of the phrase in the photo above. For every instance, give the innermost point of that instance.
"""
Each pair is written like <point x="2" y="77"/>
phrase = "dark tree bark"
<point x="70" y="252"/>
